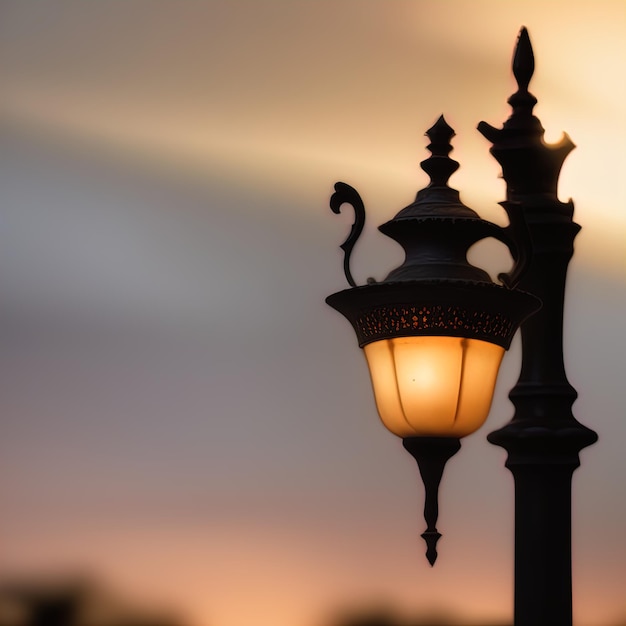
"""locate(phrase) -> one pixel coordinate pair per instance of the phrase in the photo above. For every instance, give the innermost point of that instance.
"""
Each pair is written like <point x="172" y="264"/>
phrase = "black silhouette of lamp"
<point x="435" y="329"/>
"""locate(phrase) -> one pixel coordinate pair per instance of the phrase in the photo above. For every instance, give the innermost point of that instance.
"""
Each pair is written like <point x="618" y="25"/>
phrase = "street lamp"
<point x="435" y="329"/>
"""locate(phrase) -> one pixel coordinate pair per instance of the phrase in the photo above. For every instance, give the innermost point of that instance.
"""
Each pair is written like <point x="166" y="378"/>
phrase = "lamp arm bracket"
<point x="516" y="236"/>
<point x="345" y="194"/>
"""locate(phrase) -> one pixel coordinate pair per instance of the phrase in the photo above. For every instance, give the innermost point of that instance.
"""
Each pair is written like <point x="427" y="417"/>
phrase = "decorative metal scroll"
<point x="344" y="194"/>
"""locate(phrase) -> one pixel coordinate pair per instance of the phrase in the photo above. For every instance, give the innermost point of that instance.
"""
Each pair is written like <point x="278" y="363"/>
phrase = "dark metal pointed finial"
<point x="431" y="537"/>
<point x="522" y="101"/>
<point x="523" y="60"/>
<point x="439" y="166"/>
<point x="431" y="454"/>
<point x="440" y="134"/>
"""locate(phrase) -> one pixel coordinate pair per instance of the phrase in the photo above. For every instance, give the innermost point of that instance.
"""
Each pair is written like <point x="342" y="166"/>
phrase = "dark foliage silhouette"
<point x="78" y="602"/>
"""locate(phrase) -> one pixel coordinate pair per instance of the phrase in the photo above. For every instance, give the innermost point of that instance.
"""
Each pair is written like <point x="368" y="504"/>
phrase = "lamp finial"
<point x="439" y="166"/>
<point x="523" y="60"/>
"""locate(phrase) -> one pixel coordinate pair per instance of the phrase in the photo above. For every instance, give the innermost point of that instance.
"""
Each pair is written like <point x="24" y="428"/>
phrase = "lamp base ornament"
<point x="431" y="454"/>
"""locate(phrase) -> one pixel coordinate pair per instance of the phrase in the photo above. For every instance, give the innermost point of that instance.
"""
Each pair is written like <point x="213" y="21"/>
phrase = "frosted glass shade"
<point x="433" y="386"/>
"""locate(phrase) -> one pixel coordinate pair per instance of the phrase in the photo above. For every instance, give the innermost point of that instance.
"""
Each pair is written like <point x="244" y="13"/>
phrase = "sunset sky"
<point x="182" y="414"/>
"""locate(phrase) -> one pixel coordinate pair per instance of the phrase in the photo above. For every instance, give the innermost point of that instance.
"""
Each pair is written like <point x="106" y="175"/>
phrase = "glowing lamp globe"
<point x="433" y="386"/>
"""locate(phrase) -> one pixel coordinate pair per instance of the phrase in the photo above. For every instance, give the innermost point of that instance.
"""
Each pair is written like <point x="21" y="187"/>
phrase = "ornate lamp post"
<point x="435" y="329"/>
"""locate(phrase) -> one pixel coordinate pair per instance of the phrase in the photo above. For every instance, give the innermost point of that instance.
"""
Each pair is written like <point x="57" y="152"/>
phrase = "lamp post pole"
<point x="543" y="440"/>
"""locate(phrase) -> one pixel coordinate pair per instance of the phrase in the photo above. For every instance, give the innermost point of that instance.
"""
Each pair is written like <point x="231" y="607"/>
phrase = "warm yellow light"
<point x="433" y="386"/>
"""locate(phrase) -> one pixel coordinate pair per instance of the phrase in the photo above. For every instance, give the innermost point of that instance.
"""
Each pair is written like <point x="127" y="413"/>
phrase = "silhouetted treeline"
<point x="82" y="603"/>
<point x="73" y="603"/>
<point x="383" y="617"/>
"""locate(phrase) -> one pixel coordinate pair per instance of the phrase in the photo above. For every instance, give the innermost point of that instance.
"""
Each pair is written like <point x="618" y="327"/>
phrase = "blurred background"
<point x="184" y="420"/>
